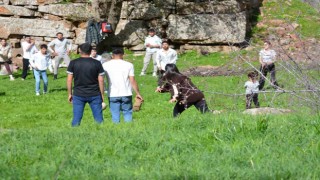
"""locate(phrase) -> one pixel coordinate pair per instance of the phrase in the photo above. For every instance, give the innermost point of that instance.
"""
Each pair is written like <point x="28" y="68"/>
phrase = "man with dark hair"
<point x="121" y="81"/>
<point x="29" y="49"/>
<point x="88" y="85"/>
<point x="62" y="48"/>
<point x="152" y="44"/>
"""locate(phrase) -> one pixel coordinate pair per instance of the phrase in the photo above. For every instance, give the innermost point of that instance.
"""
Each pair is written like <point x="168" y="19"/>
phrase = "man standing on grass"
<point x="88" y="85"/>
<point x="153" y="44"/>
<point x="62" y="48"/>
<point x="165" y="56"/>
<point x="29" y="49"/>
<point x="121" y="80"/>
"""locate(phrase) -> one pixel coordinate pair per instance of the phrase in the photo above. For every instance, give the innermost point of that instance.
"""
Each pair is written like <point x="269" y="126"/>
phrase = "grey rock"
<point x="15" y="10"/>
<point x="33" y="2"/>
<point x="34" y="27"/>
<point x="207" y="28"/>
<point x="80" y="36"/>
<point x="266" y="110"/>
<point x="140" y="11"/>
<point x="74" y="11"/>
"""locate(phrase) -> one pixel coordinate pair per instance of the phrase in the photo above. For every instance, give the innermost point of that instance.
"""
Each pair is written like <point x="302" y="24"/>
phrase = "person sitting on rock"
<point x="182" y="90"/>
<point x="252" y="90"/>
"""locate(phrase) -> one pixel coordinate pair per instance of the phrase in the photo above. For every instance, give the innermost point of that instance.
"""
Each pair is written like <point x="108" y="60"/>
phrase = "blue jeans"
<point x="79" y="103"/>
<point x="123" y="104"/>
<point x="37" y="75"/>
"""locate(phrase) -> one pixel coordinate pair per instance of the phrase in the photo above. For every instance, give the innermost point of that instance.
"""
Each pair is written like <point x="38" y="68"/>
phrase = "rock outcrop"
<point x="193" y="22"/>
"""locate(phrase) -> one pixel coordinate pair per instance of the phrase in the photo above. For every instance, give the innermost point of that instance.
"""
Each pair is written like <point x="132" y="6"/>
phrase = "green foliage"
<point x="295" y="11"/>
<point x="37" y="142"/>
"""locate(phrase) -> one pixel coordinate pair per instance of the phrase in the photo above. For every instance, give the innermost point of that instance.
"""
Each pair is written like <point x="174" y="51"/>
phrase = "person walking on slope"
<point x="62" y="48"/>
<point x="5" y="57"/>
<point x="40" y="62"/>
<point x="29" y="49"/>
<point x="267" y="57"/>
<point x="152" y="44"/>
<point x="87" y="74"/>
<point x="121" y="81"/>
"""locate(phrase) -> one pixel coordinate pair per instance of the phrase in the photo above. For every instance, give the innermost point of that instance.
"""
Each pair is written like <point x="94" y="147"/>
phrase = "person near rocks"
<point x="252" y="90"/>
<point x="267" y="57"/>
<point x="165" y="56"/>
<point x="182" y="90"/>
<point x="29" y="49"/>
<point x="152" y="44"/>
<point x="40" y="62"/>
<point x="62" y="48"/>
<point x="121" y="81"/>
<point x="5" y="57"/>
<point x="87" y="75"/>
<point x="95" y="56"/>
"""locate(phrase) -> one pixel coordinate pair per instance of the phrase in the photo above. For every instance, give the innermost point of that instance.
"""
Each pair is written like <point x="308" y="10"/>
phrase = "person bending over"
<point x="182" y="90"/>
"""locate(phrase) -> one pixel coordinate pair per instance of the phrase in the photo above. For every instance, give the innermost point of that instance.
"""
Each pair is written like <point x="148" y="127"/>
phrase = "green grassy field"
<point x="38" y="142"/>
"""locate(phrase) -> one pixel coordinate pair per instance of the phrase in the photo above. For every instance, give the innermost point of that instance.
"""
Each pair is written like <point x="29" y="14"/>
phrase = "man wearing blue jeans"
<point x="121" y="81"/>
<point x="88" y="85"/>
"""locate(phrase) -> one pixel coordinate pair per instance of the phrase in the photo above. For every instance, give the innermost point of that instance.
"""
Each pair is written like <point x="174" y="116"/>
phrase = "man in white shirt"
<point x="62" y="48"/>
<point x="165" y="56"/>
<point x="121" y="81"/>
<point x="152" y="44"/>
<point x="29" y="49"/>
<point x="95" y="56"/>
<point x="5" y="56"/>
<point x="267" y="57"/>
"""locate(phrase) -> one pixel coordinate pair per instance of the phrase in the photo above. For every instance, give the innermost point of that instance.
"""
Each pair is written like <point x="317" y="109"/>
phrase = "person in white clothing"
<point x="152" y="44"/>
<point x="267" y="57"/>
<point x="62" y="48"/>
<point x="95" y="56"/>
<point x="29" y="49"/>
<point x="40" y="62"/>
<point x="252" y="90"/>
<point x="5" y="57"/>
<point x="165" y="56"/>
<point x="121" y="81"/>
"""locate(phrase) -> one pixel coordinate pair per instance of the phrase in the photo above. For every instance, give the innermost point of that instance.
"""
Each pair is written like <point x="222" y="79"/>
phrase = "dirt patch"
<point x="211" y="71"/>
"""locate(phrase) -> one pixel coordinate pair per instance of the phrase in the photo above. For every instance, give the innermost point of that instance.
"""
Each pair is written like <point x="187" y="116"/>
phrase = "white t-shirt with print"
<point x="153" y="40"/>
<point x="267" y="55"/>
<point x="251" y="87"/>
<point x="118" y="72"/>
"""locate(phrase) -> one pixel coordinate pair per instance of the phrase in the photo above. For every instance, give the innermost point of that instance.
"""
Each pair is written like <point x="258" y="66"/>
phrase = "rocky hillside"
<point x="192" y="22"/>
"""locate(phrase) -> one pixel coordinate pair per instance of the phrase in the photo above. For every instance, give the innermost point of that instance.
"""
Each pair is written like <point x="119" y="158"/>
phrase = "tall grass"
<point x="37" y="141"/>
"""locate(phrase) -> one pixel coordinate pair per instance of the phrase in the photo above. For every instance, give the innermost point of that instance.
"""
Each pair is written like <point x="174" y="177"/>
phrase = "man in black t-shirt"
<point x="88" y="85"/>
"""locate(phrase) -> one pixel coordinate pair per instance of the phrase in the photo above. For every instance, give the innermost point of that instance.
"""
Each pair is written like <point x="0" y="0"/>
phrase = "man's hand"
<point x="68" y="52"/>
<point x="139" y="97"/>
<point x="148" y="45"/>
<point x="173" y="100"/>
<point x="55" y="54"/>
<point x="70" y="98"/>
<point x="159" y="89"/>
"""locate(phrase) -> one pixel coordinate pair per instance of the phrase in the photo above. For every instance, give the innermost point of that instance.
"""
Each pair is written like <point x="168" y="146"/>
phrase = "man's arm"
<point x="49" y="46"/>
<point x="101" y="86"/>
<point x="69" y="48"/>
<point x="135" y="87"/>
<point x="174" y="57"/>
<point x="69" y="87"/>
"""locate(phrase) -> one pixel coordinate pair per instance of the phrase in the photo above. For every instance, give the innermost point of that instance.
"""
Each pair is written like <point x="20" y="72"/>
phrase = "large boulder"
<point x="140" y="11"/>
<point x="15" y="10"/>
<point x="207" y="28"/>
<point x="34" y="27"/>
<point x="74" y="11"/>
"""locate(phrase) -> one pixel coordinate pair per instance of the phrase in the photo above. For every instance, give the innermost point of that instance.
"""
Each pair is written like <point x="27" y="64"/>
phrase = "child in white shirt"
<point x="252" y="90"/>
<point x="40" y="62"/>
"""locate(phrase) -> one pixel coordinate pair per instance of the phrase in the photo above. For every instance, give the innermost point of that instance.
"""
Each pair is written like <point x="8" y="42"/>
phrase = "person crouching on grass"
<point x="252" y="90"/>
<point x="40" y="62"/>
<point x="182" y="90"/>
